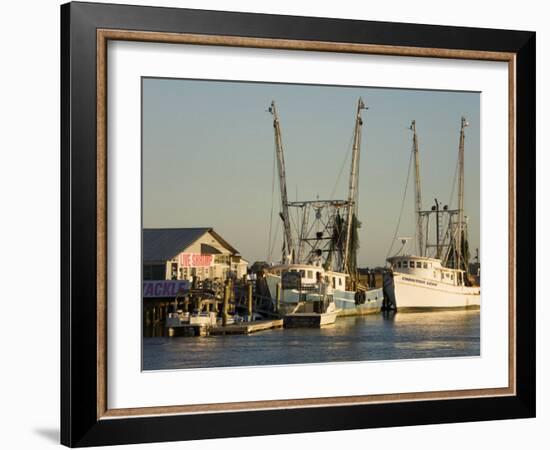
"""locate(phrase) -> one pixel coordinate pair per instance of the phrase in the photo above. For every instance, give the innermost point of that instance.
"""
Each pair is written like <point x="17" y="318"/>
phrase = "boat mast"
<point x="303" y="233"/>
<point x="460" y="230"/>
<point x="353" y="181"/>
<point x="417" y="191"/>
<point x="437" y="229"/>
<point x="289" y="244"/>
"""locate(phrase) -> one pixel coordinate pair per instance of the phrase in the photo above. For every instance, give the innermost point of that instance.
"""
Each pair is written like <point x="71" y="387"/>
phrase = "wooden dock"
<point x="189" y="330"/>
<point x="195" y="330"/>
<point x="247" y="327"/>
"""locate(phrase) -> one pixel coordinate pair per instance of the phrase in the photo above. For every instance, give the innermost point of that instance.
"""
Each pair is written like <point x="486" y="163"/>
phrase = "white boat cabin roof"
<point x="431" y="262"/>
<point x="305" y="268"/>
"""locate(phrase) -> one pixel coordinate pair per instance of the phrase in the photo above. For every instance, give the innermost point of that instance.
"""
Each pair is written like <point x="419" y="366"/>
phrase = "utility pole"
<point x="289" y="244"/>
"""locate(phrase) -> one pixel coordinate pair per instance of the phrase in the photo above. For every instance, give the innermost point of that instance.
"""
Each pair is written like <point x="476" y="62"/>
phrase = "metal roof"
<point x="163" y="244"/>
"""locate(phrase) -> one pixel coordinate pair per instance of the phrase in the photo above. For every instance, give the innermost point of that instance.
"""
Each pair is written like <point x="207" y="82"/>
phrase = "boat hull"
<point x="304" y="320"/>
<point x="343" y="300"/>
<point x="413" y="293"/>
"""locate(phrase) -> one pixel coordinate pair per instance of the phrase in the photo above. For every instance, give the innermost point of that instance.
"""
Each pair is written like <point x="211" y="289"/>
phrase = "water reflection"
<point x="375" y="337"/>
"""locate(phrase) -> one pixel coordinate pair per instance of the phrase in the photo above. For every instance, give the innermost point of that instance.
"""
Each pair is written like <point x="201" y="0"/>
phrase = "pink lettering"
<point x="195" y="260"/>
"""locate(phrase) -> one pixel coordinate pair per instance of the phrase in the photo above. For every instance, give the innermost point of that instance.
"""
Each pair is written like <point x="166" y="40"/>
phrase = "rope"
<point x="402" y="206"/>
<point x="269" y="245"/>
<point x="454" y="185"/>
<point x="274" y="239"/>
<point x="447" y="227"/>
<point x="343" y="166"/>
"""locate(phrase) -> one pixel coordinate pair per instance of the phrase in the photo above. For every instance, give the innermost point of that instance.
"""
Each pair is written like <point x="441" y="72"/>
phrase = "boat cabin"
<point x="427" y="268"/>
<point x="309" y="275"/>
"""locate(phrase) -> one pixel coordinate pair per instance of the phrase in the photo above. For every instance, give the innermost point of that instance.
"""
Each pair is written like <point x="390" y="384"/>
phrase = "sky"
<point x="208" y="157"/>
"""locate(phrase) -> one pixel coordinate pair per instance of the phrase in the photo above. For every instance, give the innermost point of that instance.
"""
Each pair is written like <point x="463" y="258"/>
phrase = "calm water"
<point x="374" y="337"/>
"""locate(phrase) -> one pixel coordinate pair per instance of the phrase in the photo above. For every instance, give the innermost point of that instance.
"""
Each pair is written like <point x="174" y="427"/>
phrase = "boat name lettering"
<point x="414" y="280"/>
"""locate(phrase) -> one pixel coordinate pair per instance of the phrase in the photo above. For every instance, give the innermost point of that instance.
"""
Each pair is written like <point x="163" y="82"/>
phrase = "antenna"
<point x="404" y="241"/>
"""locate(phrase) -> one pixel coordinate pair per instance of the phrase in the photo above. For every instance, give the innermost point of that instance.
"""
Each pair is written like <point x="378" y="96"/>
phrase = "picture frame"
<point x="86" y="418"/>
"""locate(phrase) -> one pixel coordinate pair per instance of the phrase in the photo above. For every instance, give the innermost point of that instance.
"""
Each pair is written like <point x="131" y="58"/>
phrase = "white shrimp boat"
<point x="322" y="250"/>
<point x="421" y="282"/>
<point x="347" y="302"/>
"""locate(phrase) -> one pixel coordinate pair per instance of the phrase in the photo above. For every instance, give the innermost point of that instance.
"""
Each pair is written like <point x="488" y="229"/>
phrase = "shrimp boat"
<point x="321" y="252"/>
<point x="437" y="277"/>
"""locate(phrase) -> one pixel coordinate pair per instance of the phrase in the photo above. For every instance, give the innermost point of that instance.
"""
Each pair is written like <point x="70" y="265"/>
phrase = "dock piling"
<point x="249" y="291"/>
<point x="226" y="298"/>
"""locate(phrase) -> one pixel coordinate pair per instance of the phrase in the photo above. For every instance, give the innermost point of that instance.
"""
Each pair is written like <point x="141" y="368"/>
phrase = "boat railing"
<point x="309" y="287"/>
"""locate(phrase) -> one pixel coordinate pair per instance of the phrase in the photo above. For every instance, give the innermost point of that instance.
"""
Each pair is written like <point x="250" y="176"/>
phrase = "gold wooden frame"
<point x="104" y="35"/>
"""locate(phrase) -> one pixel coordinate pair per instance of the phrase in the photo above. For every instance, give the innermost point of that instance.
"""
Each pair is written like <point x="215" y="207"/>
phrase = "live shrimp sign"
<point x="195" y="260"/>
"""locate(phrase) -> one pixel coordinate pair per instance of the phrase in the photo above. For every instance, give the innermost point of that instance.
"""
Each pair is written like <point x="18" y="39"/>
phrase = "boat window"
<point x="340" y="281"/>
<point x="326" y="279"/>
<point x="418" y="265"/>
<point x="452" y="277"/>
<point x="310" y="273"/>
<point x="411" y="264"/>
<point x="303" y="273"/>
<point x="399" y="264"/>
<point x="425" y="265"/>
<point x="333" y="282"/>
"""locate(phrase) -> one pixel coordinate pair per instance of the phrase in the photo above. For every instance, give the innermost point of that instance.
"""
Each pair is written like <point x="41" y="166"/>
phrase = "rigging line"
<point x="454" y="184"/>
<point x="293" y="222"/>
<point x="447" y="227"/>
<point x="348" y="153"/>
<point x="269" y="246"/>
<point x="274" y="241"/>
<point x="313" y="225"/>
<point x="402" y="206"/>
